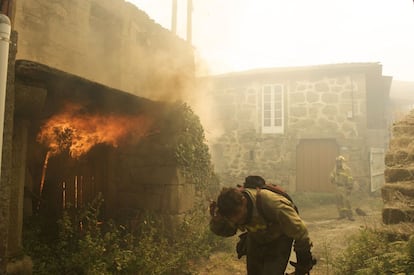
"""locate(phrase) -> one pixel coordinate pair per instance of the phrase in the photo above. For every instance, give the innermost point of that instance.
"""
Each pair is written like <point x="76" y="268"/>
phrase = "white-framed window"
<point x="273" y="109"/>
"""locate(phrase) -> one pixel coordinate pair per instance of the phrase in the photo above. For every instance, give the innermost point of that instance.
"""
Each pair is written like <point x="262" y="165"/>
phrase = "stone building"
<point x="289" y="124"/>
<point x="106" y="41"/>
<point x="112" y="59"/>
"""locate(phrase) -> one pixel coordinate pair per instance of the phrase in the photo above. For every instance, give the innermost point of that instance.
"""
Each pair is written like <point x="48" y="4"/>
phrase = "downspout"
<point x="5" y="29"/>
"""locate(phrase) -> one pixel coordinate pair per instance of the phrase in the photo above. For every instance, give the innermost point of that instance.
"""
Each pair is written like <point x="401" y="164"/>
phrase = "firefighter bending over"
<point x="271" y="226"/>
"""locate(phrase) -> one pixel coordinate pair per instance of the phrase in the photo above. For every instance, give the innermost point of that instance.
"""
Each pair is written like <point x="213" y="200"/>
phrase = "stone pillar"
<point x="17" y="188"/>
<point x="29" y="102"/>
<point x="17" y="262"/>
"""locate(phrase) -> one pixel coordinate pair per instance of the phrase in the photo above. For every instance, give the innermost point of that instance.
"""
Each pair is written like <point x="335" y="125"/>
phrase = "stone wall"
<point x="327" y="107"/>
<point x="241" y="148"/>
<point x="318" y="106"/>
<point x="107" y="41"/>
<point x="332" y="107"/>
<point x="398" y="191"/>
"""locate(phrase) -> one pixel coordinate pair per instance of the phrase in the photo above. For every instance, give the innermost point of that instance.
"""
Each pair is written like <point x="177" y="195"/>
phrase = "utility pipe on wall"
<point x="5" y="29"/>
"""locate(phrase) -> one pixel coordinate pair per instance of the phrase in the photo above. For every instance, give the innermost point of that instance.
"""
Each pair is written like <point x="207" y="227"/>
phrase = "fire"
<point x="76" y="130"/>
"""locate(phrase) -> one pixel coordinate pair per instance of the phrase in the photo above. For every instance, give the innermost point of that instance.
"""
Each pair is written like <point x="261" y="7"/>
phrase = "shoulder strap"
<point x="278" y="190"/>
<point x="274" y="189"/>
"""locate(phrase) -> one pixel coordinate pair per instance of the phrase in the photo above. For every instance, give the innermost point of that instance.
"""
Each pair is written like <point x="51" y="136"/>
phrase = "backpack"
<point x="257" y="182"/>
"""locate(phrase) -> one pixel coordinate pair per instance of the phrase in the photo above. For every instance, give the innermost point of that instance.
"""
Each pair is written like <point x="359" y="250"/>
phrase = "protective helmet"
<point x="340" y="158"/>
<point x="254" y="182"/>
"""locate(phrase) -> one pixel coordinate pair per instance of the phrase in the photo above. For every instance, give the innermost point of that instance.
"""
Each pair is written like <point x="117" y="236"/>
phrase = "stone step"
<point x="397" y="232"/>
<point x="399" y="157"/>
<point x="397" y="174"/>
<point x="406" y="129"/>
<point x="398" y="191"/>
<point x="394" y="214"/>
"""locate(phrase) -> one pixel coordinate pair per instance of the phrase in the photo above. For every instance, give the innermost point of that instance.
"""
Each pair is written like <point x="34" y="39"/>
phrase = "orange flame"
<point x="42" y="180"/>
<point x="78" y="131"/>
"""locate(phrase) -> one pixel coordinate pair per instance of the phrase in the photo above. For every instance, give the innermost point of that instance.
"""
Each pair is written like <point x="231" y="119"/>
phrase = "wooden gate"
<point x="75" y="183"/>
<point x="315" y="159"/>
<point x="79" y="191"/>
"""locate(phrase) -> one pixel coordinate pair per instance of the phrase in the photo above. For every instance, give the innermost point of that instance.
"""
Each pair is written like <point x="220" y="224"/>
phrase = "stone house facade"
<point x="289" y="124"/>
<point x="106" y="41"/>
<point x="112" y="54"/>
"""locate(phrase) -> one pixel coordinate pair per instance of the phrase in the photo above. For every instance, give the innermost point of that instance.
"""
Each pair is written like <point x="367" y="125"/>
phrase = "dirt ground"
<point x="328" y="234"/>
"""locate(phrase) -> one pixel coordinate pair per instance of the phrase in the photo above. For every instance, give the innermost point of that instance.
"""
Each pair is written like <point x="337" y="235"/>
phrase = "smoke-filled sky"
<point x="234" y="35"/>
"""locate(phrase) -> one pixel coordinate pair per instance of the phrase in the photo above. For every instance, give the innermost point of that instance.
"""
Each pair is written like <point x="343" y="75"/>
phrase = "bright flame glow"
<point x="75" y="130"/>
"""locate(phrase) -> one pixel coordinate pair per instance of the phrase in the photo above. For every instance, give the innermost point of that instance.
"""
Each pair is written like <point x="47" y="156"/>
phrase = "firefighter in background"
<point x="341" y="177"/>
<point x="6" y="7"/>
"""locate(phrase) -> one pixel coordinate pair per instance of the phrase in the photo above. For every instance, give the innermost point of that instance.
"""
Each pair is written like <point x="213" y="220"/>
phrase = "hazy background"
<point x="231" y="35"/>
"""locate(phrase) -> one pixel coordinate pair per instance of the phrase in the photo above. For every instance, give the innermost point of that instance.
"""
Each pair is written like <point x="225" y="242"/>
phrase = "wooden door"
<point x="377" y="167"/>
<point x="315" y="159"/>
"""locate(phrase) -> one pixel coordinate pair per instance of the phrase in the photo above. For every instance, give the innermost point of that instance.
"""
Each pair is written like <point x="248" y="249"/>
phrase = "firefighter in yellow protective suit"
<point x="341" y="177"/>
<point x="271" y="225"/>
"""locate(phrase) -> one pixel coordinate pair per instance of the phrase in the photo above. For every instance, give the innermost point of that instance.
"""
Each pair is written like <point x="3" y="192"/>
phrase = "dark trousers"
<point x="270" y="258"/>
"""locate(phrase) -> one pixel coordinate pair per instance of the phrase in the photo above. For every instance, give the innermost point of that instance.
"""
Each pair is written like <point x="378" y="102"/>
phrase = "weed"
<point x="109" y="248"/>
<point x="371" y="252"/>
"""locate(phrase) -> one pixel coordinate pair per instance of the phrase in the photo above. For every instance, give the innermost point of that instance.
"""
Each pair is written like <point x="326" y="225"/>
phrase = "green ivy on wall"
<point x="192" y="152"/>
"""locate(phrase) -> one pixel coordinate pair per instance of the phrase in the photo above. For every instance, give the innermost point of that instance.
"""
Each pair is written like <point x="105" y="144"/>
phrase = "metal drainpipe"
<point x="5" y="29"/>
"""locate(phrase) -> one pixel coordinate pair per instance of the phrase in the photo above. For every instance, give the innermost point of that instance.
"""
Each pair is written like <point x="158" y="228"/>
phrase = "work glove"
<point x="241" y="247"/>
<point x="304" y="262"/>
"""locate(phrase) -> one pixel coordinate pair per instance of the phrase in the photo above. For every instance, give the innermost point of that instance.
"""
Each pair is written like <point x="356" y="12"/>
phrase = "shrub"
<point x="84" y="245"/>
<point x="371" y="252"/>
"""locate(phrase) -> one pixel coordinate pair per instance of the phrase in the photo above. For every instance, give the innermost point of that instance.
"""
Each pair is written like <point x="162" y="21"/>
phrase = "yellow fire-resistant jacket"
<point x="342" y="177"/>
<point x="278" y="217"/>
